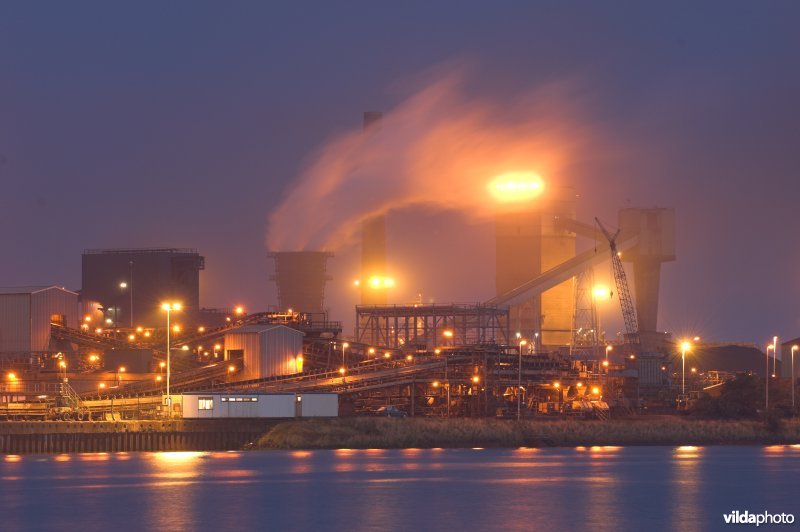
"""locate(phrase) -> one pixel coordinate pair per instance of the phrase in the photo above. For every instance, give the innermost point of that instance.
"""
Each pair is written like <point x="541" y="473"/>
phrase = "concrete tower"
<point x="301" y="278"/>
<point x="528" y="243"/>
<point x="656" y="244"/>
<point x="373" y="241"/>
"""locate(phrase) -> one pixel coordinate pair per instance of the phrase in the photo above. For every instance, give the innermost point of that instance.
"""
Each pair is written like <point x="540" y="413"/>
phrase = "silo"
<point x="373" y="239"/>
<point x="528" y="243"/>
<point x="300" y="277"/>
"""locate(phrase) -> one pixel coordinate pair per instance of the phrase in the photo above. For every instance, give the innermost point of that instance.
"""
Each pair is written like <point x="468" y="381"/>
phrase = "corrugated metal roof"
<point x="260" y="328"/>
<point x="31" y="289"/>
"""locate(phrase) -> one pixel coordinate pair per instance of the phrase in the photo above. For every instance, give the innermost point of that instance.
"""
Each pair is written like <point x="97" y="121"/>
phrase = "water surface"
<point x="593" y="489"/>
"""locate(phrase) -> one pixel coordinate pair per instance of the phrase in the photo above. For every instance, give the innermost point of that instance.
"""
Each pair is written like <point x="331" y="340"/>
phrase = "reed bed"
<point x="362" y="433"/>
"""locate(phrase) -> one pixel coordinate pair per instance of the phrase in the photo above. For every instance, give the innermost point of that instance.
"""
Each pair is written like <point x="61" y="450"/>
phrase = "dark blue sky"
<point x="183" y="123"/>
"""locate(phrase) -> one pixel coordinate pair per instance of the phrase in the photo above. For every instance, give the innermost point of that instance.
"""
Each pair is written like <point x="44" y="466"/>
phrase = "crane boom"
<point x="621" y="280"/>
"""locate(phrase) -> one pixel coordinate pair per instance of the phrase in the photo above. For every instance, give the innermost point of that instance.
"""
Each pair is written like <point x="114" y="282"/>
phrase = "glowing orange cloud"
<point x="438" y="149"/>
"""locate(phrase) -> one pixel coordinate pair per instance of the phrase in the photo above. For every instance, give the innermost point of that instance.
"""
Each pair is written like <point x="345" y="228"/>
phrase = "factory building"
<point x="26" y="314"/>
<point x="265" y="350"/>
<point x="127" y="286"/>
<point x="528" y="243"/>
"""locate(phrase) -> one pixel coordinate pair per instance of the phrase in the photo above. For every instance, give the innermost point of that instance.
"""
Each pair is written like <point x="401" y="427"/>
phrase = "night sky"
<point x="185" y="124"/>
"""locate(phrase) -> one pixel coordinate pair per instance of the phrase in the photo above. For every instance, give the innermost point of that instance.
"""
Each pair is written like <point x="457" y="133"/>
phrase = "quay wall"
<point x="27" y="437"/>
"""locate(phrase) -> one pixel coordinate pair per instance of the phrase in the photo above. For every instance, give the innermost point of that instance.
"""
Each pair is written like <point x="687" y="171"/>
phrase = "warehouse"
<point x="26" y="313"/>
<point x="259" y="405"/>
<point x="265" y="350"/>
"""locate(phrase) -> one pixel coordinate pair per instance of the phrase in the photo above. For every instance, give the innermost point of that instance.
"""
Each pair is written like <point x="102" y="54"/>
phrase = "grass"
<point x="362" y="433"/>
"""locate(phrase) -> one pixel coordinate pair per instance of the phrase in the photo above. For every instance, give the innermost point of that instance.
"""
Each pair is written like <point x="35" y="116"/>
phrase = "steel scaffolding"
<point x="432" y="326"/>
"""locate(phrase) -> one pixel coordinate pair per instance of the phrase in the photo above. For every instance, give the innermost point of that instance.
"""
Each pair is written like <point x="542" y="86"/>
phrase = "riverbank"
<point x="387" y="433"/>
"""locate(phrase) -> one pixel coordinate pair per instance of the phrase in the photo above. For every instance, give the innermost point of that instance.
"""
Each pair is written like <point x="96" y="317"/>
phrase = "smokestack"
<point x="373" y="240"/>
<point x="301" y="277"/>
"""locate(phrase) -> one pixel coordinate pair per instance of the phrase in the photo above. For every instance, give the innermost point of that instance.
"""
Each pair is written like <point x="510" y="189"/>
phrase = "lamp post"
<point x="345" y="345"/>
<point x="775" y="356"/>
<point x="169" y="307"/>
<point x="522" y="343"/>
<point x="766" y="386"/>
<point x="791" y="381"/>
<point x="684" y="347"/>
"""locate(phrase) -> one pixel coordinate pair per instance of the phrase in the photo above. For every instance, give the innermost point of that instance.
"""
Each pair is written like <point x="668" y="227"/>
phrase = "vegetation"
<point x="743" y="398"/>
<point x="360" y="433"/>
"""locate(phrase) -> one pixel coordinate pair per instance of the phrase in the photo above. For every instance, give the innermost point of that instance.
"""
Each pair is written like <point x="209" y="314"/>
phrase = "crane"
<point x="625" y="299"/>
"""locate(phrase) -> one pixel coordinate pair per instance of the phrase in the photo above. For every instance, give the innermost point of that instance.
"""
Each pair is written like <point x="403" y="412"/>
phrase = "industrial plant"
<point x="134" y="343"/>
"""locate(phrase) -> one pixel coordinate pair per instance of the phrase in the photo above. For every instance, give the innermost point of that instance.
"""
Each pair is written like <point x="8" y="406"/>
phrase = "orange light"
<point x="122" y="369"/>
<point x="158" y="378"/>
<point x="556" y="385"/>
<point x="92" y="358"/>
<point x="139" y="329"/>
<point x="131" y="337"/>
<point x="448" y="333"/>
<point x="605" y="363"/>
<point x="162" y="364"/>
<point x="409" y="358"/>
<point x="371" y="351"/>
<point x="476" y="379"/>
<point x="515" y="187"/>
<point x="12" y="376"/>
<point x="201" y="329"/>
<point x="435" y="384"/>
<point x="341" y="370"/>
<point x="231" y="369"/>
<point x="387" y="354"/>
<point x="176" y="328"/>
<point x="102" y="385"/>
<point x="239" y="310"/>
<point x="596" y="390"/>
<point x="87" y="319"/>
<point x="147" y="334"/>
<point x="601" y="292"/>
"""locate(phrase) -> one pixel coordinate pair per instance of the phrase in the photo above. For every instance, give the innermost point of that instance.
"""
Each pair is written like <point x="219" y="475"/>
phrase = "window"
<point x="205" y="403"/>
<point x="239" y="399"/>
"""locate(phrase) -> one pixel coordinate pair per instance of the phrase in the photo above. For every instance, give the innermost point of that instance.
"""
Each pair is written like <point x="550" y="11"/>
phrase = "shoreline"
<point x="427" y="433"/>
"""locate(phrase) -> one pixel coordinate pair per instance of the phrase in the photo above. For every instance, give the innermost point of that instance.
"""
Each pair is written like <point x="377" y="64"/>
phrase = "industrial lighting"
<point x="605" y="363"/>
<point x="131" y="337"/>
<point x="299" y="363"/>
<point x="123" y="285"/>
<point x="448" y="333"/>
<point x="435" y="384"/>
<point x="92" y="358"/>
<point x="184" y="348"/>
<point x="601" y="292"/>
<point x="12" y="376"/>
<point x="162" y="364"/>
<point x="231" y="368"/>
<point x="632" y="357"/>
<point x="239" y="310"/>
<point x="139" y="329"/>
<point x="437" y="351"/>
<point x="556" y="385"/>
<point x="596" y="390"/>
<point x="87" y="319"/>
<point x="158" y="378"/>
<point x="147" y="334"/>
<point x="201" y="329"/>
<point x="371" y="350"/>
<point x="376" y="281"/>
<point x="409" y="358"/>
<point x="516" y="187"/>
<point x="341" y="370"/>
<point x="685" y="346"/>
<point x="356" y="283"/>
<point x="176" y="328"/>
<point x="387" y="354"/>
<point x="579" y="385"/>
<point x="122" y="369"/>
<point x="476" y="379"/>
<point x="694" y="370"/>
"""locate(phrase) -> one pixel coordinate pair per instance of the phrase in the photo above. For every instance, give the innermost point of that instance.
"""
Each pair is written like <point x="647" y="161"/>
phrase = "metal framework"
<point x="432" y="326"/>
<point x="625" y="299"/>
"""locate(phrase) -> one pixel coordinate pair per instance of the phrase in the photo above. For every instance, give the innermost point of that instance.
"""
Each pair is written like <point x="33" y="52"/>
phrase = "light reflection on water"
<point x="594" y="488"/>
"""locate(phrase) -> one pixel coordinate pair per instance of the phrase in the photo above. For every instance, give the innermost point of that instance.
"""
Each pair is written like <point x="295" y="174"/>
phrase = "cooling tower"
<point x="300" y="277"/>
<point x="373" y="241"/>
<point x="527" y="244"/>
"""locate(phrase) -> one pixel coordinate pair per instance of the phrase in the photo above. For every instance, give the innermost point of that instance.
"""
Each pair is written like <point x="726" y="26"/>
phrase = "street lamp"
<point x="794" y="348"/>
<point x="685" y="346"/>
<point x="522" y="343"/>
<point x="774" y="356"/>
<point x="345" y="345"/>
<point x="766" y="386"/>
<point x="169" y="307"/>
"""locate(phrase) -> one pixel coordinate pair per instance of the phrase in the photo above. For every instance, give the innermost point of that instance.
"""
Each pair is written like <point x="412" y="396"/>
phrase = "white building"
<point x="199" y="405"/>
<point x="26" y="314"/>
<point x="265" y="350"/>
